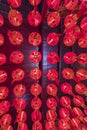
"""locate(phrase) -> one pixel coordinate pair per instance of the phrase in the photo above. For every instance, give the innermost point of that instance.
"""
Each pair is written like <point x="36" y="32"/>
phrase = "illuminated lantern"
<point x="21" y="116"/>
<point x="63" y="124"/>
<point x="83" y="24"/>
<point x="52" y="57"/>
<point x="1" y="20"/>
<point x="80" y="88"/>
<point x="82" y="42"/>
<point x="15" y="37"/>
<point x="85" y="120"/>
<point x="51" y="103"/>
<point x="3" y="76"/>
<point x="37" y="126"/>
<point x="70" y="4"/>
<point x="52" y="39"/>
<point x="75" y="123"/>
<point x="35" y="73"/>
<point x="3" y="92"/>
<point x="22" y="126"/>
<point x="69" y="40"/>
<point x="36" y="115"/>
<point x="15" y="3"/>
<point x="53" y="3"/>
<point x="34" y="39"/>
<point x="50" y="125"/>
<point x="51" y="115"/>
<point x="65" y="101"/>
<point x="64" y="113"/>
<point x="19" y="90"/>
<point x="9" y="127"/>
<point x="35" y="89"/>
<point x="15" y="17"/>
<point x="52" y="74"/>
<point x="68" y="73"/>
<point x="34" y="2"/>
<point x="53" y="19"/>
<point x="82" y="58"/>
<point x="81" y="74"/>
<point x="36" y="103"/>
<point x="34" y="18"/>
<point x="69" y="57"/>
<point x="2" y="59"/>
<point x="16" y="57"/>
<point x="1" y="39"/>
<point x="35" y="56"/>
<point x="4" y="107"/>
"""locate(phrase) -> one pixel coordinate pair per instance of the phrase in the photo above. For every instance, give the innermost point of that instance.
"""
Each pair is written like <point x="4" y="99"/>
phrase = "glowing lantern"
<point x="34" y="18"/>
<point x="21" y="116"/>
<point x="34" y="2"/>
<point x="34" y="39"/>
<point x="37" y="126"/>
<point x="15" y="17"/>
<point x="64" y="113"/>
<point x="50" y="125"/>
<point x="2" y="59"/>
<point x="19" y="90"/>
<point x="1" y="20"/>
<point x="4" y="107"/>
<point x="15" y="3"/>
<point x="63" y="124"/>
<point x="81" y="74"/>
<point x="65" y="101"/>
<point x="3" y="92"/>
<point x="70" y="57"/>
<point x="80" y="88"/>
<point x="82" y="58"/>
<point x="9" y="127"/>
<point x="52" y="39"/>
<point x="35" y="89"/>
<point x="53" y="19"/>
<point x="53" y="3"/>
<point x="69" y="40"/>
<point x="68" y="73"/>
<point x="52" y="74"/>
<point x="51" y="115"/>
<point x="36" y="115"/>
<point x="35" y="73"/>
<point x="15" y="37"/>
<point x="52" y="57"/>
<point x="35" y="56"/>
<point x="85" y="120"/>
<point x="82" y="42"/>
<point x="1" y="39"/>
<point x="36" y="103"/>
<point x="3" y="76"/>
<point x="51" y="103"/>
<point x="22" y="126"/>
<point x="75" y="123"/>
<point x="16" y="57"/>
<point x="83" y="24"/>
<point x="71" y="4"/>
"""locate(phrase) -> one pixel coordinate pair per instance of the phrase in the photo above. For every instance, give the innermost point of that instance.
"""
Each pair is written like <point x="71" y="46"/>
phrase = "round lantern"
<point x="64" y="113"/>
<point x="19" y="90"/>
<point x="1" y="39"/>
<point x="53" y="3"/>
<point x="15" y="3"/>
<point x="3" y="76"/>
<point x="35" y="73"/>
<point x="52" y="74"/>
<point x="65" y="101"/>
<point x="16" y="57"/>
<point x="75" y="123"/>
<point x="53" y="19"/>
<point x="34" y="38"/>
<point x="69" y="57"/>
<point x="70" y="4"/>
<point x="52" y="57"/>
<point x="1" y="20"/>
<point x="7" y="127"/>
<point x="50" y="125"/>
<point x="21" y="117"/>
<point x="81" y="74"/>
<point x="52" y="39"/>
<point x="51" y="103"/>
<point x="35" y="89"/>
<point x="15" y="17"/>
<point x="22" y="126"/>
<point x="15" y="37"/>
<point x="63" y="124"/>
<point x="4" y="107"/>
<point x="83" y="24"/>
<point x="85" y="120"/>
<point x="80" y="88"/>
<point x="37" y="126"/>
<point x="36" y="115"/>
<point x="68" y="73"/>
<point x="34" y="2"/>
<point x="34" y="18"/>
<point x="82" y="42"/>
<point x="82" y="58"/>
<point x="3" y="92"/>
<point x="35" y="56"/>
<point x="36" y="103"/>
<point x="51" y="115"/>
<point x="2" y="59"/>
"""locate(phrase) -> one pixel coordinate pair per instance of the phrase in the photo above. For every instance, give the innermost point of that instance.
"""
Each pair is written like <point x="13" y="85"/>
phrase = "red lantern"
<point x="34" y="18"/>
<point x="3" y="76"/>
<point x="80" y="88"/>
<point x="35" y="89"/>
<point x="70" y="5"/>
<point x="15" y="17"/>
<point x="52" y="57"/>
<point x="4" y="107"/>
<point x="83" y="24"/>
<point x="36" y="103"/>
<point x="15" y="37"/>
<point x="34" y="2"/>
<point x="51" y="115"/>
<point x="81" y="74"/>
<point x="15" y="3"/>
<point x="1" y="39"/>
<point x="9" y="127"/>
<point x="82" y="58"/>
<point x="35" y="56"/>
<point x="50" y="125"/>
<point x="63" y="124"/>
<point x="64" y="113"/>
<point x="36" y="115"/>
<point x="21" y="117"/>
<point x="22" y="126"/>
<point x="65" y="101"/>
<point x="82" y="42"/>
<point x="53" y="3"/>
<point x="53" y="19"/>
<point x="51" y="103"/>
<point x="52" y="74"/>
<point x="75" y="123"/>
<point x="1" y="20"/>
<point x="69" y="40"/>
<point x="34" y="38"/>
<point x="85" y="120"/>
<point x="52" y="39"/>
<point x="3" y="92"/>
<point x="37" y="126"/>
<point x="35" y="73"/>
<point x="68" y="73"/>
<point x="2" y="59"/>
<point x="19" y="90"/>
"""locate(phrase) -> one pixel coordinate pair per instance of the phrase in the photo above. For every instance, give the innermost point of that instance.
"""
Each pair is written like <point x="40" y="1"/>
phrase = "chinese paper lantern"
<point x="3" y="76"/>
<point x="70" y="5"/>
<point x="34" y="18"/>
<point x="19" y="90"/>
<point x="53" y="3"/>
<point x="35" y="89"/>
<point x="34" y="39"/>
<point x="3" y="92"/>
<point x="15" y="3"/>
<point x="22" y="126"/>
<point x="1" y="39"/>
<point x="34" y="2"/>
<point x="37" y="126"/>
<point x="15" y="37"/>
<point x="81" y="74"/>
<point x="63" y="124"/>
<point x="85" y="120"/>
<point x="82" y="42"/>
<point x="35" y="73"/>
<point x="36" y="115"/>
<point x="52" y="74"/>
<point x="65" y="101"/>
<point x="82" y="58"/>
<point x="15" y="17"/>
<point x="80" y="88"/>
<point x="51" y="115"/>
<point x="35" y="56"/>
<point x="64" y="113"/>
<point x="9" y="127"/>
<point x="52" y="57"/>
<point x="36" y="103"/>
<point x="21" y="116"/>
<point x="50" y="125"/>
<point x="1" y="20"/>
<point x="83" y="24"/>
<point x="75" y="123"/>
<point x="68" y="73"/>
<point x="53" y="19"/>
<point x="16" y="57"/>
<point x="51" y="103"/>
<point x="2" y="59"/>
<point x="4" y="107"/>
